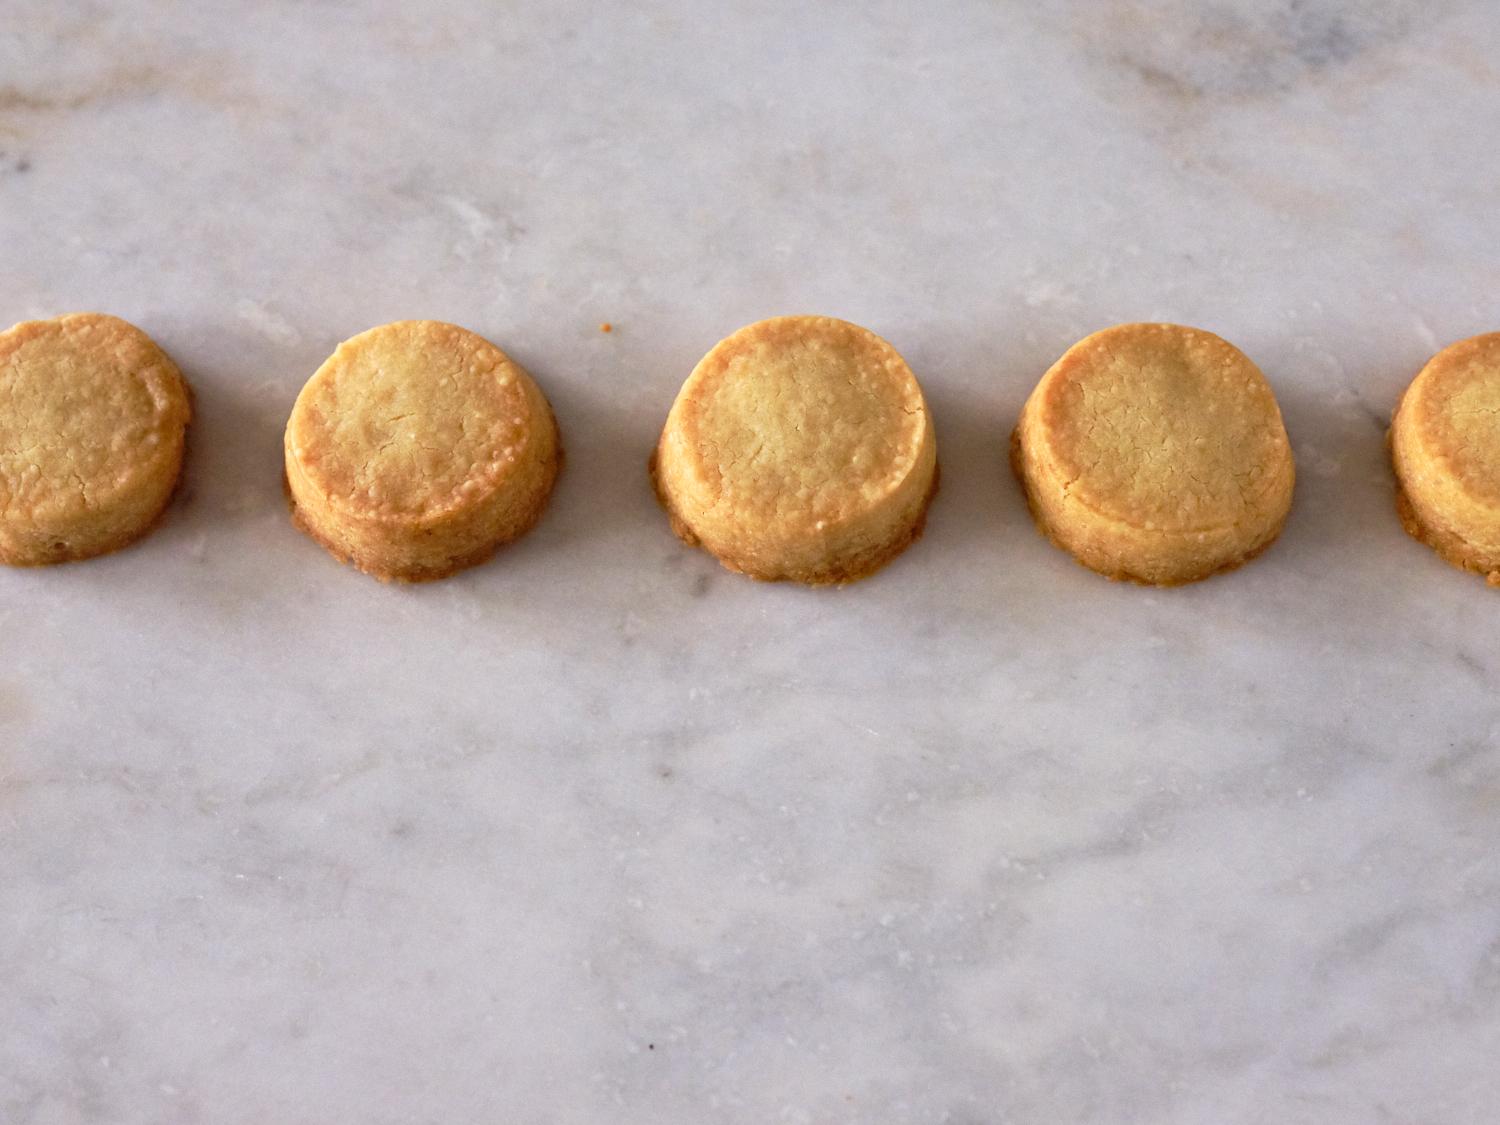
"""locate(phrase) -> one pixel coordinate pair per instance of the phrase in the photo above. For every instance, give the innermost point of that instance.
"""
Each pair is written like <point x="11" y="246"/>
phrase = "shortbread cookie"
<point x="1155" y="453"/>
<point x="417" y="449"/>
<point x="1445" y="446"/>
<point x="93" y="417"/>
<point x="799" y="448"/>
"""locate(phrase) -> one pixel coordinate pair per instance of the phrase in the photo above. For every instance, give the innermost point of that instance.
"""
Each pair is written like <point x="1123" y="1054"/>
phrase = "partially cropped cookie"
<point x="1445" y="445"/>
<point x="417" y="449"/>
<point x="799" y="448"/>
<point x="1155" y="453"/>
<point x="93" y="417"/>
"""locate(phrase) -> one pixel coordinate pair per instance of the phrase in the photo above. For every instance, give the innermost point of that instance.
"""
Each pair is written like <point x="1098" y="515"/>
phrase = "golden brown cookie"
<point x="799" y="448"/>
<point x="417" y="449"/>
<point x="1155" y="453"/>
<point x="1445" y="446"/>
<point x="93" y="417"/>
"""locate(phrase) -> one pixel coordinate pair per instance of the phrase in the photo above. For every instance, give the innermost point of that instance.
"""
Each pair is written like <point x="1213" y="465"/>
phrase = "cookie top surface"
<point x="410" y="420"/>
<point x="1163" y="427"/>
<point x="89" y="406"/>
<point x="799" y="417"/>
<point x="1453" y="408"/>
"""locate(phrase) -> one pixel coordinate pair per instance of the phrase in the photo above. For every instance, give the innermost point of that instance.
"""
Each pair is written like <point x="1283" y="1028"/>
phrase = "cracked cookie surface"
<point x="417" y="449"/>
<point x="799" y="448"/>
<point x="93" y="418"/>
<point x="1445" y="448"/>
<point x="1155" y="453"/>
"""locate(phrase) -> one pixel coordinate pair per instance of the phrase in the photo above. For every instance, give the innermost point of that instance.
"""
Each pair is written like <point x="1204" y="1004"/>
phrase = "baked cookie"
<point x="92" y="427"/>
<point x="1155" y="453"/>
<point x="417" y="449"/>
<point x="799" y="448"/>
<point x="1445" y="446"/>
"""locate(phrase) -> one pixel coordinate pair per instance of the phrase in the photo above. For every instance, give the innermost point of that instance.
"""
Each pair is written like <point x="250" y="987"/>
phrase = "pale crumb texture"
<point x="799" y="448"/>
<point x="1445" y="449"/>
<point x="417" y="449"/>
<point x="1155" y="453"/>
<point x="93" y="420"/>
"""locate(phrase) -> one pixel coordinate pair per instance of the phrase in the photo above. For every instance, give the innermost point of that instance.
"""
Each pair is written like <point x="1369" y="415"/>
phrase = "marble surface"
<point x="602" y="833"/>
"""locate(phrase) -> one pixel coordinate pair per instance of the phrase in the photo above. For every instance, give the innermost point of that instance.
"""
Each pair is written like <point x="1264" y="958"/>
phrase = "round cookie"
<point x="92" y="431"/>
<point x="417" y="449"/>
<point x="1445" y="447"/>
<point x="799" y="448"/>
<point x="1155" y="453"/>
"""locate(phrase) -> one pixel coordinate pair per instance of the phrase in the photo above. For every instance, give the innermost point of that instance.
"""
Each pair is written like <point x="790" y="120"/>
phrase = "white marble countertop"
<point x="602" y="833"/>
